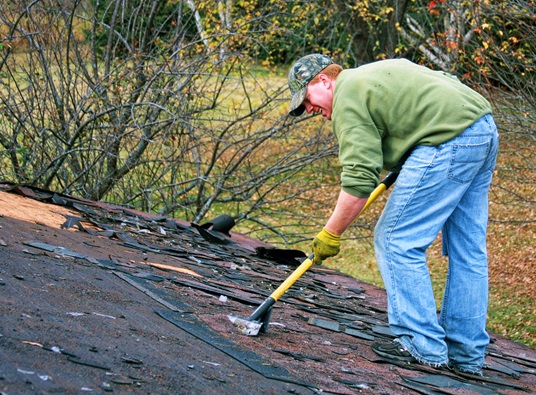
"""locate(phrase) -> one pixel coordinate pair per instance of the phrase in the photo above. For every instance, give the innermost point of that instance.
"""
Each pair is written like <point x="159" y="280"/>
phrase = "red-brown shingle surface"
<point x="130" y="302"/>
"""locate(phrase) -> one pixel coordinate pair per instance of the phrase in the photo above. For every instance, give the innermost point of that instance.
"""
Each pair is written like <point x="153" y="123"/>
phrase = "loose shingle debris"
<point x="283" y="256"/>
<point x="321" y="330"/>
<point x="299" y="356"/>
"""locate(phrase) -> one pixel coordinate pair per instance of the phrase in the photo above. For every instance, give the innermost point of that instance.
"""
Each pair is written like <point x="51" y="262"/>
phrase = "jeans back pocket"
<point x="467" y="160"/>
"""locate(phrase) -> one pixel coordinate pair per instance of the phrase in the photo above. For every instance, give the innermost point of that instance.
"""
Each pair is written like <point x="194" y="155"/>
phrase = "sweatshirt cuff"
<point x="356" y="192"/>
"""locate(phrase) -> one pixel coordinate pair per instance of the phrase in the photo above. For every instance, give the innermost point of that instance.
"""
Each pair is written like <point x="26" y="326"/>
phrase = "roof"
<point x="100" y="298"/>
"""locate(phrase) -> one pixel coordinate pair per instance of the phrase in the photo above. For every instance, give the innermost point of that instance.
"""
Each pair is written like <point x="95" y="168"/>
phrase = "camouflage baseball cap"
<point x="300" y="74"/>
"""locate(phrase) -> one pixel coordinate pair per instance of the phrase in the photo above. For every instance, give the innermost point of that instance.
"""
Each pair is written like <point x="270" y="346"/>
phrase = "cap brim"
<point x="296" y="104"/>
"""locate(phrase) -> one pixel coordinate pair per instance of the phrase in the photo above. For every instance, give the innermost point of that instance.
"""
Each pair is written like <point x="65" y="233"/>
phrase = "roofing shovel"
<point x="259" y="320"/>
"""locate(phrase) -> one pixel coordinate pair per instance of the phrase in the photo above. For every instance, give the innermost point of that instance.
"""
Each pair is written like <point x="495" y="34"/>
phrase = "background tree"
<point x="166" y="105"/>
<point x="133" y="102"/>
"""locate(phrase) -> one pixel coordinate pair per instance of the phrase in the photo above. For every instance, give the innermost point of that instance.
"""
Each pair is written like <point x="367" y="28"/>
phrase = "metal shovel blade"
<point x="249" y="328"/>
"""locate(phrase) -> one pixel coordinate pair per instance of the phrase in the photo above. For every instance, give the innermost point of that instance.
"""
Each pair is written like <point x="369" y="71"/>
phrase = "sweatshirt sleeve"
<point x="360" y="143"/>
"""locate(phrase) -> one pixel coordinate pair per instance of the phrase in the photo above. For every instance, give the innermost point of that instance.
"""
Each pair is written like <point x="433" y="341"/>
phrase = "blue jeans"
<point x="440" y="188"/>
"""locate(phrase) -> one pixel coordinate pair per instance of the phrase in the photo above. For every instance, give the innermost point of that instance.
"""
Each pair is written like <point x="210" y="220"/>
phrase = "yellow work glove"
<point x="325" y="245"/>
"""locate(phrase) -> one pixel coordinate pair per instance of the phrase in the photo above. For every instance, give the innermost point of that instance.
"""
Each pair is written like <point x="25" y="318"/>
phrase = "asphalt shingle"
<point x="99" y="298"/>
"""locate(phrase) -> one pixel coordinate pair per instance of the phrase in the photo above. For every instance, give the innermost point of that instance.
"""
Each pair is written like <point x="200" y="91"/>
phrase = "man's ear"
<point x="325" y="80"/>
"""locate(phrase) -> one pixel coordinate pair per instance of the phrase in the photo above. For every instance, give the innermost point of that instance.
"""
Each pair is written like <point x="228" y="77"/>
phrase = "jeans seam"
<point x="446" y="292"/>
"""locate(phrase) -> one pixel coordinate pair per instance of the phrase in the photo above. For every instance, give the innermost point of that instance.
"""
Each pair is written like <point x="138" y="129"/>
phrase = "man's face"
<point x="319" y="97"/>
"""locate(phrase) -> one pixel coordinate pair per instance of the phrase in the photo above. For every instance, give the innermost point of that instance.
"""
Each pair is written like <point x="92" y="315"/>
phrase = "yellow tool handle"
<point x="377" y="192"/>
<point x="305" y="265"/>
<point x="296" y="274"/>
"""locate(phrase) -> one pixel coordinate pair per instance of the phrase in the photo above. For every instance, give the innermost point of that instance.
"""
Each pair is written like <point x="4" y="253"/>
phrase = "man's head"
<point x="300" y="74"/>
<point x="312" y="81"/>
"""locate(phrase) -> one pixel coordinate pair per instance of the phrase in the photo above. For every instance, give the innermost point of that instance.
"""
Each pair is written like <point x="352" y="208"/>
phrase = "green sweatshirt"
<point x="383" y="109"/>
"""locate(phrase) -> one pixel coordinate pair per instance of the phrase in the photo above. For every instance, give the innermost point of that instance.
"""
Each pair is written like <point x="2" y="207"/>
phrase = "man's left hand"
<point x="325" y="245"/>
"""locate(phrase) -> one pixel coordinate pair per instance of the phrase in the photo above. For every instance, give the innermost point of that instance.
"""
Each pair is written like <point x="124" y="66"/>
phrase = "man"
<point x="439" y="135"/>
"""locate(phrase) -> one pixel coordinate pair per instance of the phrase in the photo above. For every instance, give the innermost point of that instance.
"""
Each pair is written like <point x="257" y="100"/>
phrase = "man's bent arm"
<point x="347" y="209"/>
